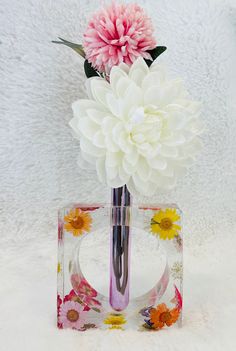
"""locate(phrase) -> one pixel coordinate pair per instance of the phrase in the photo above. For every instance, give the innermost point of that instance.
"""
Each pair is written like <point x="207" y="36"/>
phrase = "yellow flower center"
<point x="166" y="224"/>
<point x="165" y="317"/>
<point x="72" y="315"/>
<point x="77" y="223"/>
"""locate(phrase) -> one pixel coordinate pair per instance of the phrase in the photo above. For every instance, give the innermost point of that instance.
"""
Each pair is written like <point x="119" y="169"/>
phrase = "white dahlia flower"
<point x="141" y="129"/>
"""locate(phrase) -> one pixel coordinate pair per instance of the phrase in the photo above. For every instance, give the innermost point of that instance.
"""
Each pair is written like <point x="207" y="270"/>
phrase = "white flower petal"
<point x="100" y="88"/>
<point x="108" y="124"/>
<point x="123" y="175"/>
<point x="157" y="163"/>
<point x="116" y="75"/>
<point x="88" y="147"/>
<point x="154" y="79"/>
<point x="143" y="169"/>
<point x="96" y="115"/>
<point x="124" y="67"/>
<point x="137" y="76"/>
<point x="115" y="182"/>
<point x="156" y="67"/>
<point x="111" y="172"/>
<point x="111" y="144"/>
<point x="81" y="107"/>
<point x="101" y="172"/>
<point x="132" y="157"/>
<point x="74" y="124"/>
<point x="114" y="159"/>
<point x="168" y="151"/>
<point x="174" y="140"/>
<point x="87" y="127"/>
<point x="133" y="99"/>
<point x="122" y="86"/>
<point x="99" y="139"/>
<point x="124" y="143"/>
<point x="153" y="96"/>
<point x="128" y="167"/>
<point x="138" y="71"/>
<point x="114" y="105"/>
<point x="192" y="148"/>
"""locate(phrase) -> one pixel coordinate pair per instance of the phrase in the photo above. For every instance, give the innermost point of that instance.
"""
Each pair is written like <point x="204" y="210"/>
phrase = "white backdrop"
<point x="39" y="171"/>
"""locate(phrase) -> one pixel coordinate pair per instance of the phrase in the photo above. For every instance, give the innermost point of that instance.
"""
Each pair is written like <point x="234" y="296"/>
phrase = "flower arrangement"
<point x="140" y="130"/>
<point x="138" y="127"/>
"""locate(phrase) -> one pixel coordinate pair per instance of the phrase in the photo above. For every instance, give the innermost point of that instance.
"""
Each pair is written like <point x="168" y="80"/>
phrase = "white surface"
<point x="39" y="172"/>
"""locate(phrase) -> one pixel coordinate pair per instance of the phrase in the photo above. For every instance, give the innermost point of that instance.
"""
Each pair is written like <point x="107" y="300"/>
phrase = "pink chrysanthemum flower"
<point x="71" y="315"/>
<point x="118" y="33"/>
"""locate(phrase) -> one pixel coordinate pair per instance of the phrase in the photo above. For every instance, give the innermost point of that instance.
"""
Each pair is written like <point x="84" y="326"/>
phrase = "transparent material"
<point x="84" y="304"/>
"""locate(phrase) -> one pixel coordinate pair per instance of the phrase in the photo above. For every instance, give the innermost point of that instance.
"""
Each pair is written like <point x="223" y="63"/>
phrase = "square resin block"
<point x="120" y="267"/>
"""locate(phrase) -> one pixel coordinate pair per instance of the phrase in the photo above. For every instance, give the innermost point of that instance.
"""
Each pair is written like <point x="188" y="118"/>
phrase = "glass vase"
<point x="101" y="298"/>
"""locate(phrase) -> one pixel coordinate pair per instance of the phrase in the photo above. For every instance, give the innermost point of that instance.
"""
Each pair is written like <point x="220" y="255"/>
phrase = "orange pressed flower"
<point x="162" y="315"/>
<point x="77" y="222"/>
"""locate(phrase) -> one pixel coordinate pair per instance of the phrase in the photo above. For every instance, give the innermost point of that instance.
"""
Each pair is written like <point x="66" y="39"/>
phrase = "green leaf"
<point x="89" y="70"/>
<point x="76" y="47"/>
<point x="96" y="309"/>
<point x="89" y="326"/>
<point x="155" y="53"/>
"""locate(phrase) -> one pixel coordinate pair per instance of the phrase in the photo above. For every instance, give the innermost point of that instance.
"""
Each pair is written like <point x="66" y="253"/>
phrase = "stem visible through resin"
<point x="120" y="249"/>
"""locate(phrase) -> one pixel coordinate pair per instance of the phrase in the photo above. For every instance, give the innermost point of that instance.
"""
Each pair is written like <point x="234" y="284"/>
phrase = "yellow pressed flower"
<point x="77" y="222"/>
<point x="163" y="224"/>
<point x="115" y="319"/>
<point x="58" y="267"/>
<point x="118" y="327"/>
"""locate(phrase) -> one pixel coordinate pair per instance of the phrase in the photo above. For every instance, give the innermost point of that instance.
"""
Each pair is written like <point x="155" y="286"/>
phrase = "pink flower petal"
<point x="118" y="33"/>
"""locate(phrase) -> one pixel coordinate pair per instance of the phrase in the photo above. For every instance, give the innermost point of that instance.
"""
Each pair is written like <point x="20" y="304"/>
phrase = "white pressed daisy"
<point x="139" y="129"/>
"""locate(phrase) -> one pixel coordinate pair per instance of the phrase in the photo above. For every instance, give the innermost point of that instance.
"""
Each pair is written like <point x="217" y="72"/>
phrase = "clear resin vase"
<point x="120" y="265"/>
